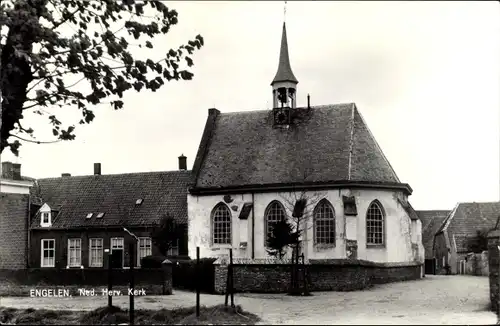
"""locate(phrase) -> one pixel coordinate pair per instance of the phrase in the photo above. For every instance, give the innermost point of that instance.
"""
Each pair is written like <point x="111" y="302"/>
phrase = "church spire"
<point x="284" y="83"/>
<point x="284" y="72"/>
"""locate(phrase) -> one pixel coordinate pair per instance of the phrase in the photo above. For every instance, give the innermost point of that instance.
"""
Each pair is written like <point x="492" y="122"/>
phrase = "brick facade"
<point x="334" y="275"/>
<point x="61" y="244"/>
<point x="494" y="264"/>
<point x="14" y="214"/>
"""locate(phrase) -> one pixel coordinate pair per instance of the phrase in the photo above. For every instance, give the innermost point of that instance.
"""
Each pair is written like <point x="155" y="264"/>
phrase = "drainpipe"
<point x="253" y="226"/>
<point x="29" y="233"/>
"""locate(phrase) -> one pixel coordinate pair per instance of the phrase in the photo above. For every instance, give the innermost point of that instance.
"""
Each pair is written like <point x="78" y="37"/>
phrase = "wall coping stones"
<point x="249" y="261"/>
<point x="494" y="234"/>
<point x="337" y="262"/>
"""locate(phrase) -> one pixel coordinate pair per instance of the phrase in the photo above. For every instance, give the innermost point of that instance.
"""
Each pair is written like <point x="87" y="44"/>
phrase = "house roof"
<point x="115" y="195"/>
<point x="468" y="218"/>
<point x="431" y="222"/>
<point x="329" y="143"/>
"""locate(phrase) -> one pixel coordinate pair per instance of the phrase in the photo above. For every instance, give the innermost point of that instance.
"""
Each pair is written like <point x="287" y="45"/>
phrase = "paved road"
<point x="434" y="300"/>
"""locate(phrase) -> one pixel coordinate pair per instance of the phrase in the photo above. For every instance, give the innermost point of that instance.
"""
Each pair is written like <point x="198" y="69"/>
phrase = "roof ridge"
<point x="322" y="106"/>
<point x="480" y="202"/>
<point x="116" y="174"/>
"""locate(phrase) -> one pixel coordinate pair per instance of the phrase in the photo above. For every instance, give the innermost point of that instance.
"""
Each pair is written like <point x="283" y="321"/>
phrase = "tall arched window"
<point x="324" y="223"/>
<point x="375" y="224"/>
<point x="274" y="213"/>
<point x="221" y="224"/>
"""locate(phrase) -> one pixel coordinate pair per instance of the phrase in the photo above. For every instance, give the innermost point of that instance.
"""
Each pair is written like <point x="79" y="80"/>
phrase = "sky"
<point x="424" y="75"/>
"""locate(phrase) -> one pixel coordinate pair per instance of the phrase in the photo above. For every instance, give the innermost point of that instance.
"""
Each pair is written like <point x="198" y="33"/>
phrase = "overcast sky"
<point x="424" y="75"/>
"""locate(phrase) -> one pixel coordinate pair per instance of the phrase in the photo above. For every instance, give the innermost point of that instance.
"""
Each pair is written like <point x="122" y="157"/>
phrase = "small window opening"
<point x="138" y="201"/>
<point x="89" y="215"/>
<point x="100" y="215"/>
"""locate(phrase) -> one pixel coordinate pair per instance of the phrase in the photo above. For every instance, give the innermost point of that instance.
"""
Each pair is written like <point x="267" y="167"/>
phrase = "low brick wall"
<point x="323" y="275"/>
<point x="494" y="264"/>
<point x="159" y="280"/>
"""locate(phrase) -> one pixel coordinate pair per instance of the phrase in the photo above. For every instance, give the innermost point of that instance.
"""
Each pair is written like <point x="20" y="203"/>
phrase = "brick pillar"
<point x="494" y="264"/>
<point x="166" y="267"/>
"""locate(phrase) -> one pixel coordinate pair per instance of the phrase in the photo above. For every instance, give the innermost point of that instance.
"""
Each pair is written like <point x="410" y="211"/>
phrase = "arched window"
<point x="221" y="224"/>
<point x="375" y="224"/>
<point x="274" y="213"/>
<point x="324" y="223"/>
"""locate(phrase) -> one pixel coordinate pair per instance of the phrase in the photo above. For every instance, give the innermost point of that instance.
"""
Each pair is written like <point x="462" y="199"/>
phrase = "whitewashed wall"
<point x="400" y="231"/>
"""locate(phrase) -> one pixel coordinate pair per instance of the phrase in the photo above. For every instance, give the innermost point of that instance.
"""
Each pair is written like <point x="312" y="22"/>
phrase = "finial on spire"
<point x="284" y="12"/>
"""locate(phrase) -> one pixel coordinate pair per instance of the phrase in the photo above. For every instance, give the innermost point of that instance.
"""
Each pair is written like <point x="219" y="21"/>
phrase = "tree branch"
<point x="36" y="141"/>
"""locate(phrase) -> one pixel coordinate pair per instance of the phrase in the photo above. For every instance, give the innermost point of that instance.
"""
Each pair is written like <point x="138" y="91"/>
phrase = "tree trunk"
<point x="14" y="81"/>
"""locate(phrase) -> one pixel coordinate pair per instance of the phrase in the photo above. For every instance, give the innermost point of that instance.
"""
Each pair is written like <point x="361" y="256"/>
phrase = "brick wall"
<point x="494" y="263"/>
<point x="61" y="243"/>
<point x="324" y="275"/>
<point x="159" y="277"/>
<point x="13" y="230"/>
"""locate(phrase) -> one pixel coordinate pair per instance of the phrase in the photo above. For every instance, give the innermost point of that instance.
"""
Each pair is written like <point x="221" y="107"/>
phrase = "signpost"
<point x="110" y="279"/>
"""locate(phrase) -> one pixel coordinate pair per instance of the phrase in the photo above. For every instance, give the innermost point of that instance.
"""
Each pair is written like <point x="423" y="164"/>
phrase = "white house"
<point x="252" y="165"/>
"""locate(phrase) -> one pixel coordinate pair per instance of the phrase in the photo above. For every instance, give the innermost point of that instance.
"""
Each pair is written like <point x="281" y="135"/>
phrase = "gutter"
<point x="200" y="191"/>
<point x="253" y="226"/>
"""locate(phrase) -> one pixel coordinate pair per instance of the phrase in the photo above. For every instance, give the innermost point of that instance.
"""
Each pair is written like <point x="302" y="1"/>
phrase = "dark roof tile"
<point x="115" y="195"/>
<point x="431" y="222"/>
<point x="330" y="143"/>
<point x="470" y="218"/>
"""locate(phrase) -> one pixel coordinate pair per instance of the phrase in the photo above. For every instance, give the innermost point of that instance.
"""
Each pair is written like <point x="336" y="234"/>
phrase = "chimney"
<point x="11" y="171"/>
<point x="213" y="111"/>
<point x="16" y="171"/>
<point x="182" y="162"/>
<point x="7" y="170"/>
<point x="308" y="101"/>
<point x="97" y="168"/>
<point x="65" y="175"/>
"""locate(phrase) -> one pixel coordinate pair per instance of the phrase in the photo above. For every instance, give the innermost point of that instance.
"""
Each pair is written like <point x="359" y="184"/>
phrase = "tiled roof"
<point x="431" y="222"/>
<point x="469" y="218"/>
<point x="329" y="144"/>
<point x="115" y="195"/>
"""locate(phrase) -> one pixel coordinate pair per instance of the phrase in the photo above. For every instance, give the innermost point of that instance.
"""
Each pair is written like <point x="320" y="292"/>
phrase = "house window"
<point x="144" y="248"/>
<point x="174" y="249"/>
<point x="274" y="213"/>
<point x="375" y="224"/>
<point x="96" y="248"/>
<point x="324" y="223"/>
<point x="48" y="253"/>
<point x="45" y="218"/>
<point x="74" y="252"/>
<point x="221" y="224"/>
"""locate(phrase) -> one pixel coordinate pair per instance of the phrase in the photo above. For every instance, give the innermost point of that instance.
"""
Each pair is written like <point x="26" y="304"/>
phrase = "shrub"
<point x="184" y="275"/>
<point x="152" y="261"/>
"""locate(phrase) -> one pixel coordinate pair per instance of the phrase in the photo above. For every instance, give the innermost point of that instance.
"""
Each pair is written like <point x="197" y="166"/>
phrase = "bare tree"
<point x="301" y="203"/>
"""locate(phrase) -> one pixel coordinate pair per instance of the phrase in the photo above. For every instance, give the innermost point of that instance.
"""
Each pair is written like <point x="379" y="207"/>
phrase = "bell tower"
<point x="284" y="83"/>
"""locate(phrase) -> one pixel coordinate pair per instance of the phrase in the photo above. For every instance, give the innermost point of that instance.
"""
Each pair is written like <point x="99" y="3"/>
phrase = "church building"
<point x="319" y="166"/>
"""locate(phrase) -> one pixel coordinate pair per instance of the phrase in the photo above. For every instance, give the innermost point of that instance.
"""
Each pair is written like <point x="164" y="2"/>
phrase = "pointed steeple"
<point x="284" y="72"/>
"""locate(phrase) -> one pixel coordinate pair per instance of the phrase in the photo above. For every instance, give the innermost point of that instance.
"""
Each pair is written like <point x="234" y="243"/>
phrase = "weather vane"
<point x="284" y="12"/>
